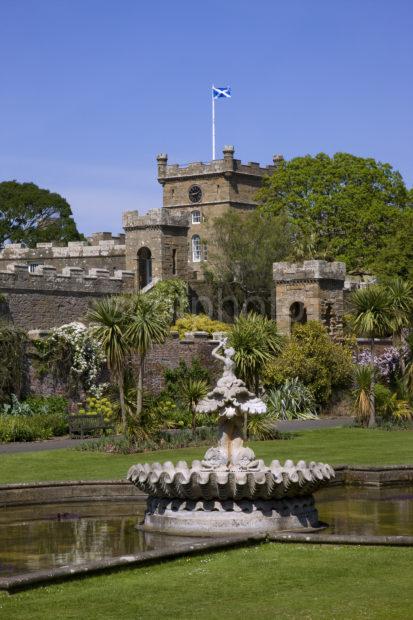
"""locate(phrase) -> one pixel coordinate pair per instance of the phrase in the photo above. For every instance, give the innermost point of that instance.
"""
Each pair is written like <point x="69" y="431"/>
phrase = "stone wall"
<point x="45" y="299"/>
<point x="168" y="355"/>
<point x="107" y="252"/>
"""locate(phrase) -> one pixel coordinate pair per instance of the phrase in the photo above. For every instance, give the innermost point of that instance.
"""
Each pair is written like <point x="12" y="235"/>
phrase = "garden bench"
<point x="87" y="424"/>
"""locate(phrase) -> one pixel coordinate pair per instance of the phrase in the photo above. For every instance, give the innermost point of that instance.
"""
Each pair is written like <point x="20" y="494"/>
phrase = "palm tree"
<point x="147" y="325"/>
<point x="190" y="393"/>
<point x="256" y="341"/>
<point x="372" y="318"/>
<point x="108" y="324"/>
<point x="401" y="300"/>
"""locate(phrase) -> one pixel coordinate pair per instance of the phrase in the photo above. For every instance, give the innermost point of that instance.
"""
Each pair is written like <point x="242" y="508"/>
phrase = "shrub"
<point x="100" y="406"/>
<point x="166" y="440"/>
<point x="291" y="401"/>
<point x="315" y="359"/>
<point x="12" y="350"/>
<point x="198" y="323"/>
<point x="31" y="428"/>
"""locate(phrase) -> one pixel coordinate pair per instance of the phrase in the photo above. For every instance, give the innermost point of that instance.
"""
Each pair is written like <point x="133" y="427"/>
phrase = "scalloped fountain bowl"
<point x="230" y="491"/>
<point x="199" y="501"/>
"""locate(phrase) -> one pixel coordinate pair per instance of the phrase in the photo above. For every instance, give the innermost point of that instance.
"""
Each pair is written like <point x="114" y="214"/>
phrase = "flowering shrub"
<point x="99" y="406"/>
<point x="387" y="364"/>
<point x="72" y="353"/>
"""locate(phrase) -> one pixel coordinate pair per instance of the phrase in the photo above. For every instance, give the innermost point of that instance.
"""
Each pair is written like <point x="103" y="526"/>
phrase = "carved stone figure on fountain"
<point x="231" y="400"/>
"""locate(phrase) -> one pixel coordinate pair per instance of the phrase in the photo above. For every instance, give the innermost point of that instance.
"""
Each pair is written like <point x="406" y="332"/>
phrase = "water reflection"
<point x="385" y="511"/>
<point x="41" y="537"/>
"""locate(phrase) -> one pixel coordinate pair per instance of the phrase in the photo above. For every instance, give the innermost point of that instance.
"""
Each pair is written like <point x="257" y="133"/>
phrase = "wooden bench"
<point x="87" y="424"/>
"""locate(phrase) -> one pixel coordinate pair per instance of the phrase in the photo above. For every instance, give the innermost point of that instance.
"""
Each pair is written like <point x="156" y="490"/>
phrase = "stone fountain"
<point x="230" y="491"/>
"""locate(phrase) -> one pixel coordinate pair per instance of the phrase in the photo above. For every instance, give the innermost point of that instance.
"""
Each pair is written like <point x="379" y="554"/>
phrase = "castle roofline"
<point x="227" y="165"/>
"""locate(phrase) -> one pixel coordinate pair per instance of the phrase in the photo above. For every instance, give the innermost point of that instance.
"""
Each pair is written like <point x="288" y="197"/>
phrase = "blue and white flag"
<point x="221" y="91"/>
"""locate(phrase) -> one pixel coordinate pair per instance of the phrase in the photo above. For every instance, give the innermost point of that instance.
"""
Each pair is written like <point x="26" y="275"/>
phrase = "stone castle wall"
<point x="45" y="298"/>
<point x="104" y="253"/>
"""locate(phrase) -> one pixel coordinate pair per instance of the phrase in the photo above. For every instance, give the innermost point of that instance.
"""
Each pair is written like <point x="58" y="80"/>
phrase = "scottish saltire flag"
<point x="221" y="91"/>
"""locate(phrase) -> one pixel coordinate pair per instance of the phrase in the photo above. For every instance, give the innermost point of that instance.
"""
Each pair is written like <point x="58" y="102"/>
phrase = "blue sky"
<point x="92" y="90"/>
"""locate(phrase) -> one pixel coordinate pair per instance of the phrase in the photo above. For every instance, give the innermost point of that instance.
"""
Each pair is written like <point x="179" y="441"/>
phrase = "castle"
<point x="49" y="285"/>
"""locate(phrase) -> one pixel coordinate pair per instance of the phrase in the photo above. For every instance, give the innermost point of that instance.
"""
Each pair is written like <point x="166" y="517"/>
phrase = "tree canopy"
<point x="346" y="208"/>
<point x="30" y="214"/>
<point x="243" y="248"/>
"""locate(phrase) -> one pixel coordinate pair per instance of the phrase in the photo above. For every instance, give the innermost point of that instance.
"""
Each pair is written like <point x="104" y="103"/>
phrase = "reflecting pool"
<point x="54" y="535"/>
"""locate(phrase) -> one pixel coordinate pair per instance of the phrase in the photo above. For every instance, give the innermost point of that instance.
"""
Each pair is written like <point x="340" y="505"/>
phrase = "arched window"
<point x="196" y="217"/>
<point x="298" y="313"/>
<point x="196" y="248"/>
<point x="144" y="267"/>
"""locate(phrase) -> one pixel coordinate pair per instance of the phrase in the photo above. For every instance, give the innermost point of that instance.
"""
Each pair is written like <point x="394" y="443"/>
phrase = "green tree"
<point x="372" y="317"/>
<point x="311" y="355"/>
<point x="29" y="214"/>
<point x="148" y="324"/>
<point x="108" y="324"/>
<point x="191" y="392"/>
<point x="256" y="342"/>
<point x="345" y="208"/>
<point x="400" y="294"/>
<point x="243" y="248"/>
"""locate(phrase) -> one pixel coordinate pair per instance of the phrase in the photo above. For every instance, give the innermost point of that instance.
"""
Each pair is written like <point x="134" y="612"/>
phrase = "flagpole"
<point x="213" y="124"/>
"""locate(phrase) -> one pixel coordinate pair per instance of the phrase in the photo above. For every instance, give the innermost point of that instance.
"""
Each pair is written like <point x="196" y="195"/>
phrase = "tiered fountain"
<point x="230" y="491"/>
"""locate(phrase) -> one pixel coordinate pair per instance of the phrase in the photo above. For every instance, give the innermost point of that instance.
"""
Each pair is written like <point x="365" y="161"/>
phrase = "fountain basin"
<point x="195" y="501"/>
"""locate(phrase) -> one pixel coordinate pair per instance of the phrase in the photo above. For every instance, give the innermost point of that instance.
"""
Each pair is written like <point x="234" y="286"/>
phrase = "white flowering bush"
<point x="72" y="349"/>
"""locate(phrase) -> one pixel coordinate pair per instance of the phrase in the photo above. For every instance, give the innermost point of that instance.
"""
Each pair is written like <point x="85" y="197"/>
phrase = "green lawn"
<point x="337" y="445"/>
<point x="266" y="581"/>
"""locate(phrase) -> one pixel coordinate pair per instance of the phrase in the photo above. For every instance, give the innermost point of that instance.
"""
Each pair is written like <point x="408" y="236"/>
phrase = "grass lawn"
<point x="336" y="445"/>
<point x="265" y="581"/>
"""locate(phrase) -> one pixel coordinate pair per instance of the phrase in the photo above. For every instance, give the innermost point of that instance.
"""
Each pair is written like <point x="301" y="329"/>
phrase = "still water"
<point x="53" y="535"/>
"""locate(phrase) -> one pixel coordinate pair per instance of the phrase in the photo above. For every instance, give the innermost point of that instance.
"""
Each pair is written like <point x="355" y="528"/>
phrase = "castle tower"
<point x="309" y="291"/>
<point x="204" y="191"/>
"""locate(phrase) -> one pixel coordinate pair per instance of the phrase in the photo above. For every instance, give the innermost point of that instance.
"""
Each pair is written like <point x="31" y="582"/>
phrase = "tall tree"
<point x="29" y="214"/>
<point x="148" y="324"/>
<point x="108" y="319"/>
<point x="243" y="248"/>
<point x="345" y="208"/>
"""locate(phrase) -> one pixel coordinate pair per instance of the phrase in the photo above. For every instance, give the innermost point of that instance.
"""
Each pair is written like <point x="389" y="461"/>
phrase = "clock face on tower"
<point x="195" y="193"/>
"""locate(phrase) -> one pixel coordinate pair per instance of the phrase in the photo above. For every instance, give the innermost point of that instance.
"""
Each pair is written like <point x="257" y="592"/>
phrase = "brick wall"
<point x="168" y="355"/>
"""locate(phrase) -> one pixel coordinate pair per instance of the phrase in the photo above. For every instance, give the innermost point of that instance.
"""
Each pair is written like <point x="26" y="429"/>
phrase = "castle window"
<point x="32" y="267"/>
<point x="205" y="250"/>
<point x="144" y="267"/>
<point x="196" y="248"/>
<point x="174" y="262"/>
<point x="196" y="217"/>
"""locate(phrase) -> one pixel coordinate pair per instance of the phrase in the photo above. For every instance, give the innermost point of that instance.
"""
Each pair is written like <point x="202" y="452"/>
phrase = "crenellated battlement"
<point x="309" y="270"/>
<point x="70" y="279"/>
<point x="168" y="172"/>
<point x="74" y="249"/>
<point x="154" y="218"/>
